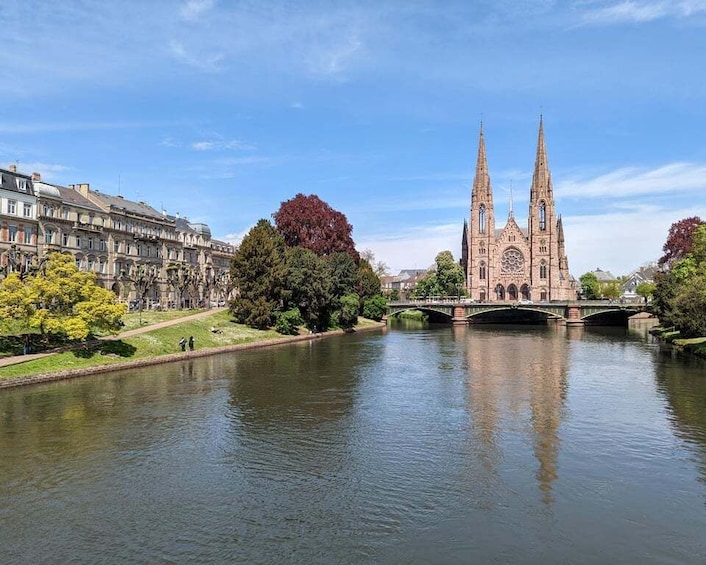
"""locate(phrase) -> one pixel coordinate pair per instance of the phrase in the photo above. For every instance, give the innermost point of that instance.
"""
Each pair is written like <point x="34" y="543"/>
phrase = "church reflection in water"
<point x="516" y="395"/>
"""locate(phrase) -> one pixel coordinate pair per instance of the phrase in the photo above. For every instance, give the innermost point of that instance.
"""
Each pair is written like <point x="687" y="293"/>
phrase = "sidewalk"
<point x="16" y="359"/>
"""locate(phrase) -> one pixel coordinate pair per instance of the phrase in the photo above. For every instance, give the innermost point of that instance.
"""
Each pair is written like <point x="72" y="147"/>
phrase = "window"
<point x="27" y="210"/>
<point x="481" y="270"/>
<point x="12" y="206"/>
<point x="543" y="270"/>
<point x="12" y="234"/>
<point x="48" y="236"/>
<point x="543" y="295"/>
<point x="482" y="296"/>
<point x="65" y="213"/>
<point x="65" y="239"/>
<point x="101" y="245"/>
<point x="90" y="243"/>
<point x="542" y="216"/>
<point x="22" y="185"/>
<point x="116" y="247"/>
<point x="78" y="263"/>
<point x="91" y="263"/>
<point x="481" y="219"/>
<point x="101" y="266"/>
<point x="512" y="261"/>
<point x="481" y="249"/>
<point x="78" y="241"/>
<point x="28" y="235"/>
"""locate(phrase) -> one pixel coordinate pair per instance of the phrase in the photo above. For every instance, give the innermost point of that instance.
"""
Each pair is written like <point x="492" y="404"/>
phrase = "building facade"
<point x="514" y="263"/>
<point x="136" y="251"/>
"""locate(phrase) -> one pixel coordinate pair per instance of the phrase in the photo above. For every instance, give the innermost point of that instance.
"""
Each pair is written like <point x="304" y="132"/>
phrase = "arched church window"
<point x="542" y="216"/>
<point x="482" y="295"/>
<point x="512" y="292"/>
<point x="543" y="270"/>
<point x="543" y="294"/>
<point x="481" y="270"/>
<point x="525" y="292"/>
<point x="512" y="261"/>
<point x="481" y="248"/>
<point x="481" y="218"/>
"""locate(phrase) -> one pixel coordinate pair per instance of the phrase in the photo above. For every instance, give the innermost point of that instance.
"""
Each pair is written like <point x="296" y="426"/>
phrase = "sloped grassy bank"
<point x="695" y="345"/>
<point x="214" y="334"/>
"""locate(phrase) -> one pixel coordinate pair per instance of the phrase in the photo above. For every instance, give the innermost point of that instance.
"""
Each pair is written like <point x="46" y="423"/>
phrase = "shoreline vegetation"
<point x="695" y="346"/>
<point x="213" y="334"/>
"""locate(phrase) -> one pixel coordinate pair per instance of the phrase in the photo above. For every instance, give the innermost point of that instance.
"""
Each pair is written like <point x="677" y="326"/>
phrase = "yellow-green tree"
<point x="58" y="300"/>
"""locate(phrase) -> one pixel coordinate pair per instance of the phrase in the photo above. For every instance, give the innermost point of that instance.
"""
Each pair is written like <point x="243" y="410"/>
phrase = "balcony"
<point x="145" y="236"/>
<point x="87" y="227"/>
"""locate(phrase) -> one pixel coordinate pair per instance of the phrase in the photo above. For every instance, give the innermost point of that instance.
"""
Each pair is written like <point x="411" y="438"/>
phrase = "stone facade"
<point x="117" y="239"/>
<point x="513" y="263"/>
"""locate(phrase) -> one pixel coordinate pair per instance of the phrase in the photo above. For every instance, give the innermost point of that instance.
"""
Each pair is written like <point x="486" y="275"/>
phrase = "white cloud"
<point x="218" y="145"/>
<point x="197" y="58"/>
<point x="634" y="181"/>
<point x="643" y="11"/>
<point x="47" y="170"/>
<point x="235" y="237"/>
<point x="194" y="9"/>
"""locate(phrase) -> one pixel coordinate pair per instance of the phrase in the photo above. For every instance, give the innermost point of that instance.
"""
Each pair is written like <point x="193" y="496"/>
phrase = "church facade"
<point x="514" y="263"/>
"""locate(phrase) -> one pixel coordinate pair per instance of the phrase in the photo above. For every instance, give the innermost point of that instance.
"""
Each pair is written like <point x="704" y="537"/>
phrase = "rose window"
<point x="512" y="261"/>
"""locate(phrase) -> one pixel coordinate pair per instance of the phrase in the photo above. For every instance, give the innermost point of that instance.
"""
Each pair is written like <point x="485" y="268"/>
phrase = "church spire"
<point x="481" y="181"/>
<point x="541" y="179"/>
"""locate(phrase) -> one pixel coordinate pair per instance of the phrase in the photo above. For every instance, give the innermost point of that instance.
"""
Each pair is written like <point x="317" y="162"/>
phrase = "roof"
<point x="8" y="181"/>
<point x="120" y="203"/>
<point x="603" y="276"/>
<point x="73" y="197"/>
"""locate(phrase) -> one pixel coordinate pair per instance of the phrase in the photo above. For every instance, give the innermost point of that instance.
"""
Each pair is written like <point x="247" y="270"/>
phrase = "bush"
<point x="348" y="315"/>
<point x="288" y="322"/>
<point x="375" y="307"/>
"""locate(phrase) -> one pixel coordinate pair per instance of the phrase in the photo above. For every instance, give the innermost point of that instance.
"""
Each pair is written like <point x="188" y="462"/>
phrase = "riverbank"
<point x="212" y="335"/>
<point x="694" y="346"/>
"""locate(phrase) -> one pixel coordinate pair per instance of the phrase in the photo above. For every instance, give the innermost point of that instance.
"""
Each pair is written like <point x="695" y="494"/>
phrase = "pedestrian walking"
<point x="182" y="344"/>
<point x="191" y="343"/>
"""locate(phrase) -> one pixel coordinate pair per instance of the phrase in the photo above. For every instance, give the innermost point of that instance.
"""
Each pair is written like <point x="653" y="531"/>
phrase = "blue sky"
<point x="220" y="110"/>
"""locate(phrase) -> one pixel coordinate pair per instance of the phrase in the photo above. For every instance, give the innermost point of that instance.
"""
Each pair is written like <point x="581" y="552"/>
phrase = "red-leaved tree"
<point x="679" y="240"/>
<point x="309" y="222"/>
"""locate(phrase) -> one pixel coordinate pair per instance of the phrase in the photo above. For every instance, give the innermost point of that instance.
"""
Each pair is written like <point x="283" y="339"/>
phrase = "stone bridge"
<point x="464" y="311"/>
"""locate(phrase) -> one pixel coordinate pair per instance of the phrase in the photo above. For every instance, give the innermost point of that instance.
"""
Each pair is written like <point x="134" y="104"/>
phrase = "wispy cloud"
<point x="218" y="145"/>
<point x="640" y="11"/>
<point x="192" y="10"/>
<point x="197" y="58"/>
<point x="667" y="179"/>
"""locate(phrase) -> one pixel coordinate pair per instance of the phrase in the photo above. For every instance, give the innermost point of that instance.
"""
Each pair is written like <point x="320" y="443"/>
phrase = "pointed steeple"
<point x="511" y="213"/>
<point x="541" y="179"/>
<point x="481" y="180"/>
<point x="560" y="231"/>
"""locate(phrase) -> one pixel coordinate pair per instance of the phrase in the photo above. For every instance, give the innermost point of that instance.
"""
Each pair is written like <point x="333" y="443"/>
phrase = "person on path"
<point x="182" y="344"/>
<point x="191" y="343"/>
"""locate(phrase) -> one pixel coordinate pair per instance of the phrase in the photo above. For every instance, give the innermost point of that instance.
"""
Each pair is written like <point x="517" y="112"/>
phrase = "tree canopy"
<point x="445" y="280"/>
<point x="58" y="300"/>
<point x="679" y="240"/>
<point x="309" y="222"/>
<point x="259" y="270"/>
<point x="680" y="290"/>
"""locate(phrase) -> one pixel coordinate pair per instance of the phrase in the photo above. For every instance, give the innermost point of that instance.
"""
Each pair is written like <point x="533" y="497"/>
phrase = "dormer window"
<point x="22" y="184"/>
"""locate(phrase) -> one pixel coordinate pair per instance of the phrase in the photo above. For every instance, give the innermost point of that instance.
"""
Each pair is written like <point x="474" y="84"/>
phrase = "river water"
<point x="485" y="444"/>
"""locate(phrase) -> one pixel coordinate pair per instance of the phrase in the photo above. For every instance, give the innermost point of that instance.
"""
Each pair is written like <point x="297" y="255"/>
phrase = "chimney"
<point x="36" y="177"/>
<point x="83" y="189"/>
<point x="12" y="168"/>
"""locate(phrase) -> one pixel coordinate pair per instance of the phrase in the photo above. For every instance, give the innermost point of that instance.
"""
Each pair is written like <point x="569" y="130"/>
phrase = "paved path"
<point x="15" y="359"/>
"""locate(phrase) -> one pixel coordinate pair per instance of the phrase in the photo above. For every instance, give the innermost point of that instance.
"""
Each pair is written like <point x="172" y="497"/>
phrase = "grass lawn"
<point x="149" y="317"/>
<point x="150" y="344"/>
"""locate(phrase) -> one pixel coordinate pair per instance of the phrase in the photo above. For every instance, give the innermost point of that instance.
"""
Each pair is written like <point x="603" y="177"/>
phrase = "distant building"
<point x="603" y="276"/>
<point x="515" y="263"/>
<point x="644" y="274"/>
<point x="404" y="282"/>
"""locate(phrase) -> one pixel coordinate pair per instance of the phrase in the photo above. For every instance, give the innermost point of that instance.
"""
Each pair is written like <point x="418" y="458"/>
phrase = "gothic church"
<point x="513" y="263"/>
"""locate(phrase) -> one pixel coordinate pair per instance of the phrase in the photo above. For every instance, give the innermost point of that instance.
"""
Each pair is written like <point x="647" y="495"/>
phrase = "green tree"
<point x="308" y="285"/>
<point x="258" y="271"/>
<point x="367" y="282"/>
<point x="689" y="307"/>
<point x="427" y="286"/>
<point x="58" y="300"/>
<point x="375" y="307"/>
<point x="590" y="289"/>
<point x="645" y="289"/>
<point x="343" y="273"/>
<point x="449" y="274"/>
<point x="609" y="289"/>
<point x="288" y="322"/>
<point x="348" y="316"/>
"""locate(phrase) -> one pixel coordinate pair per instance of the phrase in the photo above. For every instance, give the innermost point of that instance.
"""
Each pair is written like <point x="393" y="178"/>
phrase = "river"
<point x="482" y="444"/>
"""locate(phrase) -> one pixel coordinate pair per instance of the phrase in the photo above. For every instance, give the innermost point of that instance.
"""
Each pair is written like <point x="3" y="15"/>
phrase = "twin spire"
<point x="541" y="178"/>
